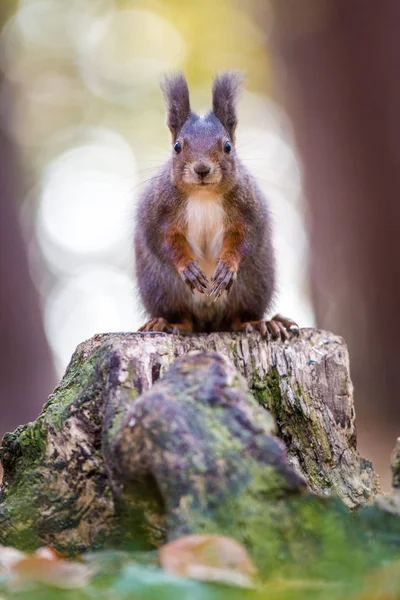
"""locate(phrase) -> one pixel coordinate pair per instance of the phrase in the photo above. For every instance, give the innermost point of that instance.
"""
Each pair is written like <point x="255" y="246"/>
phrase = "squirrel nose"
<point x="202" y="169"/>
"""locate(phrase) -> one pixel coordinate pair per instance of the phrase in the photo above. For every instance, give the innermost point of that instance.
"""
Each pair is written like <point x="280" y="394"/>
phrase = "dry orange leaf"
<point x="43" y="566"/>
<point x="209" y="558"/>
<point x="9" y="557"/>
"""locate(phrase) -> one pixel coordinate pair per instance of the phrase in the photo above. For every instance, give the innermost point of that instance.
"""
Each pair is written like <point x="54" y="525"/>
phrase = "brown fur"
<point x="234" y="240"/>
<point x="246" y="266"/>
<point x="178" y="246"/>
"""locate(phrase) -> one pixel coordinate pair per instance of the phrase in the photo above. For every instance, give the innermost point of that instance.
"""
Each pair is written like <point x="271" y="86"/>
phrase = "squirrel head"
<point x="203" y="146"/>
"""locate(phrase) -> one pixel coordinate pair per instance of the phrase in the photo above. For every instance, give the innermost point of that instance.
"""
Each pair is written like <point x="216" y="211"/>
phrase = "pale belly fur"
<point x="205" y="231"/>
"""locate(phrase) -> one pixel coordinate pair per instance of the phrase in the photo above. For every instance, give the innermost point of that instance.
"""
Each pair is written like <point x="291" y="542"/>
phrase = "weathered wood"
<point x="68" y="476"/>
<point x="197" y="453"/>
<point x="304" y="383"/>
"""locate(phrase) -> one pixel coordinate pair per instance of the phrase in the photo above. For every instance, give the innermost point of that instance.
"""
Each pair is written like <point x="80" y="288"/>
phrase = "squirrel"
<point x="203" y="247"/>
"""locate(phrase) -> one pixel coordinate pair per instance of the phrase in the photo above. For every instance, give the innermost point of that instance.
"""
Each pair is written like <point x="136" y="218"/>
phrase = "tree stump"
<point x="226" y="439"/>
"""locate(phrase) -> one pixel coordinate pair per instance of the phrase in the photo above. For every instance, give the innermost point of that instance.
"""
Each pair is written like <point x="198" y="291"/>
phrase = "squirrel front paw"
<point x="194" y="277"/>
<point x="223" y="279"/>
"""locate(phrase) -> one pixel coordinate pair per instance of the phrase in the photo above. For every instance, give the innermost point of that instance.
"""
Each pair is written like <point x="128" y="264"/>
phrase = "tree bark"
<point x="118" y="452"/>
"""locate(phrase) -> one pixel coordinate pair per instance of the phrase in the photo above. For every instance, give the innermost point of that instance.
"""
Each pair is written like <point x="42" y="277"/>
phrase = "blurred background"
<point x="82" y="129"/>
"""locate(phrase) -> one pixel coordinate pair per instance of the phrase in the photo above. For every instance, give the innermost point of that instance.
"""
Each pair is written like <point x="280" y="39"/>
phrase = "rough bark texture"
<point x="194" y="444"/>
<point x="113" y="456"/>
<point x="305" y="384"/>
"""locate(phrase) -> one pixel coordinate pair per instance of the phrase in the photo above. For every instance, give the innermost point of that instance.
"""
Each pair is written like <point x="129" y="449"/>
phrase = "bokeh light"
<point x="90" y="127"/>
<point x="125" y="52"/>
<point x="86" y="201"/>
<point x="97" y="299"/>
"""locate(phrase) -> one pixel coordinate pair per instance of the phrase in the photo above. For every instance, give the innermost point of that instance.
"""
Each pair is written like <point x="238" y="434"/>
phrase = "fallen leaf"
<point x="56" y="573"/>
<point x="43" y="566"/>
<point x="209" y="558"/>
<point x="9" y="556"/>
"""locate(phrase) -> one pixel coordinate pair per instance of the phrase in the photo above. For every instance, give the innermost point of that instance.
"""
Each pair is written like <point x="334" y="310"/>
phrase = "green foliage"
<point x="327" y="553"/>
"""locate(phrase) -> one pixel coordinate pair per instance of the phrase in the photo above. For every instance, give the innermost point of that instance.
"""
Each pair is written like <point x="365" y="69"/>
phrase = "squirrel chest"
<point x="205" y="228"/>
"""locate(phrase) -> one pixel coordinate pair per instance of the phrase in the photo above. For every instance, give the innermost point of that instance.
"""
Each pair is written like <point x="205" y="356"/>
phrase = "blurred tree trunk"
<point x="26" y="367"/>
<point x="337" y="64"/>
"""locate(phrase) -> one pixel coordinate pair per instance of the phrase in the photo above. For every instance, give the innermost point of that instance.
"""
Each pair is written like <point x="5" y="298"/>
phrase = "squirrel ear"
<point x="224" y="94"/>
<point x="176" y="96"/>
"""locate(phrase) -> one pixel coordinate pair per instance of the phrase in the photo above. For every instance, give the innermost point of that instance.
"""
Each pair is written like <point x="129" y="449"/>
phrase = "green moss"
<point x="286" y="535"/>
<point x="267" y="391"/>
<point x="314" y="431"/>
<point x="119" y="412"/>
<point x="33" y="472"/>
<point x="271" y="524"/>
<point x="298" y="425"/>
<point x="221" y="440"/>
<point x="142" y="523"/>
<point x="74" y="391"/>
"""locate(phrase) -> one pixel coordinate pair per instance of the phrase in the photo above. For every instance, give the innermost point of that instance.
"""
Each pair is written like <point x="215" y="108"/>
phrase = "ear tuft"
<point x="225" y="91"/>
<point x="176" y="96"/>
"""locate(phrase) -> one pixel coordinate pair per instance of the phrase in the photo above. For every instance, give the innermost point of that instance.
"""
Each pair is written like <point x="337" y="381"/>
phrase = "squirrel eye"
<point x="177" y="147"/>
<point x="227" y="147"/>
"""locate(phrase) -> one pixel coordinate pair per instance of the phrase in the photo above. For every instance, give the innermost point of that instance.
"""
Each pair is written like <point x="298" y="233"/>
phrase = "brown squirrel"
<point x="204" y="257"/>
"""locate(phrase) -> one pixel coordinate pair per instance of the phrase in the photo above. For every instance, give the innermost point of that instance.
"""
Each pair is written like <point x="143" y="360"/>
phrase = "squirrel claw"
<point x="281" y="327"/>
<point x="222" y="280"/>
<point x="194" y="277"/>
<point x="286" y="325"/>
<point x="161" y="325"/>
<point x="277" y="328"/>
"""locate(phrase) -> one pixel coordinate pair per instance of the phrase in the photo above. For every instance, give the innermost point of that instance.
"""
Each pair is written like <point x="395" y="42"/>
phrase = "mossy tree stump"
<point x="127" y="448"/>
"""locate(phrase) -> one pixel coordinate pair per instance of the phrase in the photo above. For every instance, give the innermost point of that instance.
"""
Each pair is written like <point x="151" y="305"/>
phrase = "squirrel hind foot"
<point x="278" y="327"/>
<point x="285" y="325"/>
<point x="161" y="325"/>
